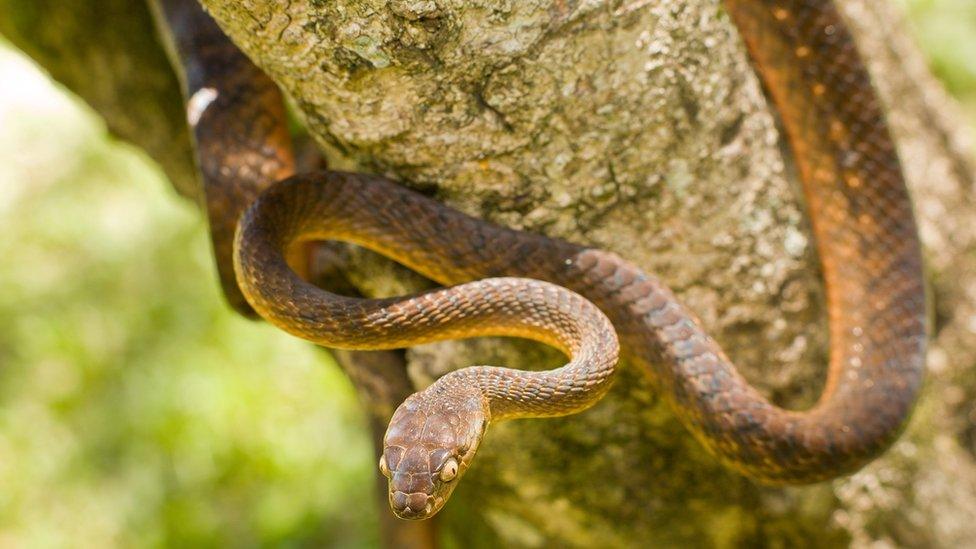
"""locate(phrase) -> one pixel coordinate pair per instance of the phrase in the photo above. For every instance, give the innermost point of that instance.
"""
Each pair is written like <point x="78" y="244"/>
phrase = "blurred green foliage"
<point x="946" y="30"/>
<point x="135" y="408"/>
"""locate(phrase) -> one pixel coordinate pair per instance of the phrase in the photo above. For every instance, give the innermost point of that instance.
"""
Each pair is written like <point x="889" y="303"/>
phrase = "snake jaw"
<point x="427" y="448"/>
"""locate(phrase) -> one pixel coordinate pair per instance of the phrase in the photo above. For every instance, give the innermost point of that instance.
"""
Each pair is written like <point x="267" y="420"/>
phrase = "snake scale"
<point x="504" y="282"/>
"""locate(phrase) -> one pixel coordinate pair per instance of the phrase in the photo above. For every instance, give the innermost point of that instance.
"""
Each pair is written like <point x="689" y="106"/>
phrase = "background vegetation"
<point x="135" y="408"/>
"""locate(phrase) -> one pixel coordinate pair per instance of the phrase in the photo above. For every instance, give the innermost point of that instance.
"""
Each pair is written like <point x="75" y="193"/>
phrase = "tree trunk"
<point x="639" y="126"/>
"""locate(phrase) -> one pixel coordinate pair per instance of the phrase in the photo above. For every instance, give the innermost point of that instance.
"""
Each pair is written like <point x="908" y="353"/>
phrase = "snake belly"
<point x="862" y="219"/>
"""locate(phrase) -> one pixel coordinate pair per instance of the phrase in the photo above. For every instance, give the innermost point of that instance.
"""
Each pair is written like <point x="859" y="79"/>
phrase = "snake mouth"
<point x="414" y="506"/>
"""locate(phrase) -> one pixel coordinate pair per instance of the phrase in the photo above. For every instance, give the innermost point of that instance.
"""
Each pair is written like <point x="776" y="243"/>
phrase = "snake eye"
<point x="449" y="471"/>
<point x="383" y="468"/>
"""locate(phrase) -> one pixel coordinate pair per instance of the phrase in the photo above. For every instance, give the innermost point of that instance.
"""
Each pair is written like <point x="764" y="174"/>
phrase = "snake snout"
<point x="432" y="438"/>
<point x="412" y="506"/>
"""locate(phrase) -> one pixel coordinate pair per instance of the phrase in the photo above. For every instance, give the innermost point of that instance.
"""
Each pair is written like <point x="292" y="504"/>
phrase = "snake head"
<point x="428" y="446"/>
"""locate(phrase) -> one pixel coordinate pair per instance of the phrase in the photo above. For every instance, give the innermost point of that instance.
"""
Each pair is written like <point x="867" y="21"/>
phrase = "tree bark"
<point x="640" y="127"/>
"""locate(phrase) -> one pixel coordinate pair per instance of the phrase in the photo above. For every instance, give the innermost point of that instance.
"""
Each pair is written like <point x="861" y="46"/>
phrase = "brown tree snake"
<point x="503" y="282"/>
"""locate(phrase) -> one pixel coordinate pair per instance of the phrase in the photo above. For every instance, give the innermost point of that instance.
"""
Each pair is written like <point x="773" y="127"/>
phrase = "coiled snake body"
<point x="867" y="243"/>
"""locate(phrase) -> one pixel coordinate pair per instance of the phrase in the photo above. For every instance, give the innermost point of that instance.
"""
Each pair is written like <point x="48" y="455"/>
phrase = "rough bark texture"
<point x="640" y="127"/>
